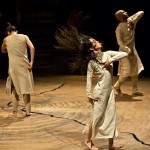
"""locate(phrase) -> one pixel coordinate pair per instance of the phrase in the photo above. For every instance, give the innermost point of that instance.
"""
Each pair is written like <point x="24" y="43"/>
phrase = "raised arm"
<point x="115" y="55"/>
<point x="136" y="17"/>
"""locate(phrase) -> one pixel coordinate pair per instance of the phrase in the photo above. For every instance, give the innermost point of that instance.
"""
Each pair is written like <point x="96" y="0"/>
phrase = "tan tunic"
<point x="103" y="116"/>
<point x="129" y="66"/>
<point x="18" y="71"/>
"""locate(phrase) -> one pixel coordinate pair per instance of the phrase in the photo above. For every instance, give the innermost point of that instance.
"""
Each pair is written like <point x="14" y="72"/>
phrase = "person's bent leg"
<point x="118" y="84"/>
<point x="135" y="90"/>
<point x="88" y="141"/>
<point x="26" y="98"/>
<point x="15" y="101"/>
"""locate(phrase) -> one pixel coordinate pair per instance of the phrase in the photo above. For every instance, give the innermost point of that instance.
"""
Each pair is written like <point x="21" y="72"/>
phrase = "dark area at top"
<point x="39" y="20"/>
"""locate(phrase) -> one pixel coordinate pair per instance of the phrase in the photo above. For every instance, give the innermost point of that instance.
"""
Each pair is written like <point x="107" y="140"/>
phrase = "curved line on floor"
<point x="136" y="138"/>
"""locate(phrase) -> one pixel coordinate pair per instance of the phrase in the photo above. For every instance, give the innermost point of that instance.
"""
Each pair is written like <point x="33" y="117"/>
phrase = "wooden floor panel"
<point x="60" y="111"/>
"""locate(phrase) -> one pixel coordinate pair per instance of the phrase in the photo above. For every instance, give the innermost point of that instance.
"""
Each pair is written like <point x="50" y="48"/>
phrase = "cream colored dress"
<point x="129" y="66"/>
<point x="18" y="71"/>
<point x="103" y="115"/>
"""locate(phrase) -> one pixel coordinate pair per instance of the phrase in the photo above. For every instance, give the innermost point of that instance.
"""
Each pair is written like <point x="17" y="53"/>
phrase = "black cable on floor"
<point x="136" y="138"/>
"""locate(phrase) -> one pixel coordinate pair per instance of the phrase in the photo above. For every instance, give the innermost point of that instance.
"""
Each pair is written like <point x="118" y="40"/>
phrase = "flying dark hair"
<point x="71" y="38"/>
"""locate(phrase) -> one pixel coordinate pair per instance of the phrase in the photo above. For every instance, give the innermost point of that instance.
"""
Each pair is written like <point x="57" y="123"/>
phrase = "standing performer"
<point x="129" y="66"/>
<point x="20" y="79"/>
<point x="88" y="51"/>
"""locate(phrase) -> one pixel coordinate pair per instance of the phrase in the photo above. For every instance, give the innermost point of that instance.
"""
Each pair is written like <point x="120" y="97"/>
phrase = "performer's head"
<point x="121" y="15"/>
<point x="10" y="28"/>
<point x="90" y="47"/>
<point x="96" y="45"/>
<point x="82" y="46"/>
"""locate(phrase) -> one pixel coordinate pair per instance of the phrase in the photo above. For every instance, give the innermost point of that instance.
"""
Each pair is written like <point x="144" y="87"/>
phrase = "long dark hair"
<point x="71" y="38"/>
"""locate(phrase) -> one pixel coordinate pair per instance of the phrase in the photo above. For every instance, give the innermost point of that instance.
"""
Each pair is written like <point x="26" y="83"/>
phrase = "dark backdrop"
<point x="102" y="22"/>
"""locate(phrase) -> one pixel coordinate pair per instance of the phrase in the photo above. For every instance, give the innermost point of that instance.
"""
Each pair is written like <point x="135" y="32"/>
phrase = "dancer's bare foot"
<point x="13" y="114"/>
<point x="118" y="91"/>
<point x="115" y="147"/>
<point x="90" y="145"/>
<point x="28" y="114"/>
<point x="137" y="93"/>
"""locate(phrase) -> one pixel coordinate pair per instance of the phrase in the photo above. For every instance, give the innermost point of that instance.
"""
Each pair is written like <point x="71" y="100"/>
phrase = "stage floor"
<point x="60" y="111"/>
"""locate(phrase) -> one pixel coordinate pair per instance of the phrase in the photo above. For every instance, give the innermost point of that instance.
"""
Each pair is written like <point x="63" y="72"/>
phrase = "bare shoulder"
<point x="4" y="40"/>
<point x="25" y="36"/>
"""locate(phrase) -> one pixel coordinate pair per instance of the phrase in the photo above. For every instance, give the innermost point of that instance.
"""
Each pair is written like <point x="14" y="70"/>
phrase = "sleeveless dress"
<point x="18" y="72"/>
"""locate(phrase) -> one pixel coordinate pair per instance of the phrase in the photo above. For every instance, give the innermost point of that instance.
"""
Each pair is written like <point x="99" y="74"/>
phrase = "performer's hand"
<point x="92" y="100"/>
<point x="30" y="66"/>
<point x="131" y="54"/>
<point x="106" y="64"/>
<point x="127" y="49"/>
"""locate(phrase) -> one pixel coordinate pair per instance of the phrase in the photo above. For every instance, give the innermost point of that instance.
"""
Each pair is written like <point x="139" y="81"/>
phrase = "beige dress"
<point x="103" y="115"/>
<point x="18" y="71"/>
<point x="129" y="66"/>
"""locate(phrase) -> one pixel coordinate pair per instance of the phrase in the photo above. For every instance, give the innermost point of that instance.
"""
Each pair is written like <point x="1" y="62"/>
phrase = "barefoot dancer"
<point x="130" y="66"/>
<point x="89" y="53"/>
<point x="20" y="79"/>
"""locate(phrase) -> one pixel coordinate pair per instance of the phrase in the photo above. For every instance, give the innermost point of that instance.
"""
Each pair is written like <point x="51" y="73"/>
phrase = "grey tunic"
<point x="18" y="71"/>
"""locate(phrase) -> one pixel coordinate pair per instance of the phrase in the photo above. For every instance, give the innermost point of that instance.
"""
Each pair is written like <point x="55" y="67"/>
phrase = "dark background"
<point x="39" y="20"/>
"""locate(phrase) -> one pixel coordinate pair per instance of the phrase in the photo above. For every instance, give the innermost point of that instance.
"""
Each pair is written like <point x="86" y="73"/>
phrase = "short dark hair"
<point x="10" y="28"/>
